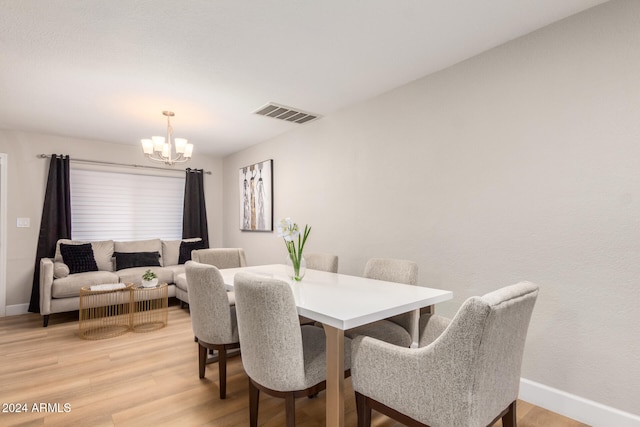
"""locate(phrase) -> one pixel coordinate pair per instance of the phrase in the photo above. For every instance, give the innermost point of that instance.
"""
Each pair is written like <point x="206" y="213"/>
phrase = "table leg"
<point x="335" y="376"/>
<point x="415" y="328"/>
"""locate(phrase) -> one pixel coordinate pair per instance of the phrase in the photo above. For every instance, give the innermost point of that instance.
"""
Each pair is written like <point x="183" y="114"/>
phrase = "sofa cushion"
<point x="176" y="269"/>
<point x="181" y="281"/>
<point x="134" y="275"/>
<point x="186" y="248"/>
<point x="136" y="259"/>
<point x="154" y="245"/>
<point x="171" y="251"/>
<point x="102" y="252"/>
<point x="69" y="286"/>
<point x="79" y="258"/>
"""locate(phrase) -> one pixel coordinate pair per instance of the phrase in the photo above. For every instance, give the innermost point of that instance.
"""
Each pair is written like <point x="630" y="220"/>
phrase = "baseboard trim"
<point x="15" y="310"/>
<point x="575" y="407"/>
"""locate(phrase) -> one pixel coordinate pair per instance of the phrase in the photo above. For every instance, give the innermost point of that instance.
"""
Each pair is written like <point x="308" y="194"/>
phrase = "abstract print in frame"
<point x="256" y="197"/>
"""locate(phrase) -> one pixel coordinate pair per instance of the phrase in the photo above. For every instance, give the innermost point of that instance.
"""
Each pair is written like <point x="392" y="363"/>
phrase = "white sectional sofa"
<point x="115" y="262"/>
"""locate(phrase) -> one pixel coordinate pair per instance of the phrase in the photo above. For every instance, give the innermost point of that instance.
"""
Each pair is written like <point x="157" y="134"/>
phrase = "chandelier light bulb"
<point x="158" y="143"/>
<point x="180" y="145"/>
<point x="188" y="150"/>
<point x="147" y="146"/>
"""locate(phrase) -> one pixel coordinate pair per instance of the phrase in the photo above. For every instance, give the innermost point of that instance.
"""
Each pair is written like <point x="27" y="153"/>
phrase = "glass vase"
<point x="296" y="270"/>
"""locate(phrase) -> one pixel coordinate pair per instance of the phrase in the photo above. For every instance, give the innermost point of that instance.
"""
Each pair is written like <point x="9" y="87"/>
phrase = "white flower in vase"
<point x="290" y="232"/>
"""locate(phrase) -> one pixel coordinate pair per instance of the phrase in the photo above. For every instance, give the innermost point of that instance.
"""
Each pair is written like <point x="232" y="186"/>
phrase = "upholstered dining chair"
<point x="221" y="258"/>
<point x="322" y="262"/>
<point x="213" y="319"/>
<point x="397" y="329"/>
<point x="281" y="358"/>
<point x="465" y="373"/>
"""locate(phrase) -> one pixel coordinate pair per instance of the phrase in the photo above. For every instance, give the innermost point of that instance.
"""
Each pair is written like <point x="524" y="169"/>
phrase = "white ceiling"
<point x="105" y="69"/>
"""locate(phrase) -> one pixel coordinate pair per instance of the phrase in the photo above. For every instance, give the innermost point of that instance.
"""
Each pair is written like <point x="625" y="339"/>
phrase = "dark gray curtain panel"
<point x="194" y="217"/>
<point x="56" y="220"/>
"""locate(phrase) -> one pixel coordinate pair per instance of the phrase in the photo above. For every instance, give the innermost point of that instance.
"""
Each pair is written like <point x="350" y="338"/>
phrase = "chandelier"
<point x="161" y="150"/>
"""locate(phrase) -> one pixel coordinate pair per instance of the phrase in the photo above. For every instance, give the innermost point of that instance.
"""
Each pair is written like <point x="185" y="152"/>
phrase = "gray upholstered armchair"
<point x="395" y="330"/>
<point x="465" y="373"/>
<point x="221" y="258"/>
<point x="280" y="357"/>
<point x="213" y="319"/>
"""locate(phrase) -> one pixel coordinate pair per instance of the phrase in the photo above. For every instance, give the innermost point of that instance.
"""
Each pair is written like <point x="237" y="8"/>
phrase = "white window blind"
<point x="125" y="206"/>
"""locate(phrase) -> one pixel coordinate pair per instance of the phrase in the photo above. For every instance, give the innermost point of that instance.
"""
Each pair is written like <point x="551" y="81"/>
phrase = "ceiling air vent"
<point x="289" y="114"/>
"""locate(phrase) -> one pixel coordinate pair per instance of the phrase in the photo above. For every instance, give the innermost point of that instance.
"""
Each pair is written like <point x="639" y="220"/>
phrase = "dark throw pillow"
<point x="186" y="248"/>
<point x="79" y="258"/>
<point x="137" y="259"/>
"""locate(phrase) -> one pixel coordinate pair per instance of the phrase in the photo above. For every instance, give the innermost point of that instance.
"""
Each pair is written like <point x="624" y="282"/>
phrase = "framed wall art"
<point x="256" y="196"/>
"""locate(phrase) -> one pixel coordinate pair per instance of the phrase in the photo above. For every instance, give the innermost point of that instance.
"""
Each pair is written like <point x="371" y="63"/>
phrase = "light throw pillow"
<point x="79" y="258"/>
<point x="60" y="270"/>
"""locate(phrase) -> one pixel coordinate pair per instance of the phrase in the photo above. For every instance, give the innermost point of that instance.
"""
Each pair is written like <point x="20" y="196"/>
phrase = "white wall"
<point x="522" y="163"/>
<point x="27" y="183"/>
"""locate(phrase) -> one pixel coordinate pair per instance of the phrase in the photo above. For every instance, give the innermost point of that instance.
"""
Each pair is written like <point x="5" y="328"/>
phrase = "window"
<point x="108" y="205"/>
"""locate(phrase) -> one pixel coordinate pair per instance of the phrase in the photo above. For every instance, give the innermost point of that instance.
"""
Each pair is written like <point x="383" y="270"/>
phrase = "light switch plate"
<point x="24" y="222"/>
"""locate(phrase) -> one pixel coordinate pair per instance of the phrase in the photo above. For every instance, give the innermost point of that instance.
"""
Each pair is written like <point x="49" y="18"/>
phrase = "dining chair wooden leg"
<point x="202" y="359"/>
<point x="254" y="399"/>
<point x="363" y="410"/>
<point x="222" y="370"/>
<point x="509" y="419"/>
<point x="290" y="409"/>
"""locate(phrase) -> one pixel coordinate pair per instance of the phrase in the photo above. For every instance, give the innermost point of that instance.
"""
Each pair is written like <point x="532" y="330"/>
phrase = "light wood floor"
<point x="141" y="379"/>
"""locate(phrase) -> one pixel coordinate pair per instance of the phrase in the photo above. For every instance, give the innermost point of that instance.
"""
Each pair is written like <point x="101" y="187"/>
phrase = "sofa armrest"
<point x="46" y="282"/>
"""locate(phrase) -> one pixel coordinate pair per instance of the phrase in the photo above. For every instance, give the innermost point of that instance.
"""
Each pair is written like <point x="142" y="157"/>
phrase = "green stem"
<point x="296" y="255"/>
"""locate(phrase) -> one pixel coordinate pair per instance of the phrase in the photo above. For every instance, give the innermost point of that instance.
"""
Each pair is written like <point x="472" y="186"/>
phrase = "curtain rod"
<point x="130" y="165"/>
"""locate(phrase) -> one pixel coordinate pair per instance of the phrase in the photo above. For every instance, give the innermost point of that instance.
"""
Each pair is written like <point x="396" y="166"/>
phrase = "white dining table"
<point x="342" y="302"/>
